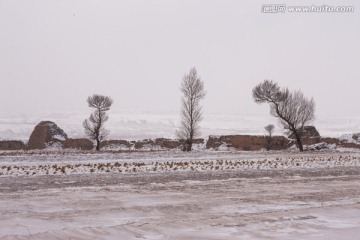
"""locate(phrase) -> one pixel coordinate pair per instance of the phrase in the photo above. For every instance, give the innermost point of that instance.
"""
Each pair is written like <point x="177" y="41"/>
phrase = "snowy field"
<point x="13" y="163"/>
<point x="132" y="125"/>
<point x="176" y="195"/>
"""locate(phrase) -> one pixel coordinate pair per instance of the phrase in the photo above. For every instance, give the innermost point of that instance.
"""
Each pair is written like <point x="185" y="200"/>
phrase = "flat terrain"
<point x="213" y="196"/>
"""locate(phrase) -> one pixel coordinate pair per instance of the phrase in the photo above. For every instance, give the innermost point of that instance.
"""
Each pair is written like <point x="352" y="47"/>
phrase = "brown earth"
<point x="44" y="135"/>
<point x="246" y="142"/>
<point x="167" y="143"/>
<point x="12" y="145"/>
<point x="78" y="143"/>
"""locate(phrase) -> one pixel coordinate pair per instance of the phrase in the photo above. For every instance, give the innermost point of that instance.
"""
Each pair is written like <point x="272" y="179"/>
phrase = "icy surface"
<point x="317" y="199"/>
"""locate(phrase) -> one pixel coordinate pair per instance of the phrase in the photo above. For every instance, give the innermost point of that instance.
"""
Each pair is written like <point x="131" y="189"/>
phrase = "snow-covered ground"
<point x="176" y="195"/>
<point x="64" y="163"/>
<point x="141" y="125"/>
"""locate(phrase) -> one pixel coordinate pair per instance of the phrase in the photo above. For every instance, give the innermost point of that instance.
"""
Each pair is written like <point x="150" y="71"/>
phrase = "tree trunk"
<point x="298" y="141"/>
<point x="189" y="145"/>
<point x="268" y="143"/>
<point x="97" y="145"/>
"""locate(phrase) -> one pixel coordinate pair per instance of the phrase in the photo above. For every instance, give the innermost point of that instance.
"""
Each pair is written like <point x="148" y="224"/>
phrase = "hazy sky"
<point x="53" y="54"/>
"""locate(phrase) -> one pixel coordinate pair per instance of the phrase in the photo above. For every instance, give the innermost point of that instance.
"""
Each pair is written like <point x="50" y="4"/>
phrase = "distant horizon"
<point x="136" y="125"/>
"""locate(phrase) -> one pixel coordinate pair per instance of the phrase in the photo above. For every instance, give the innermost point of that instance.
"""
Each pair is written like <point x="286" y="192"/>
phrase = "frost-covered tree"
<point x="94" y="126"/>
<point x="292" y="109"/>
<point x="192" y="88"/>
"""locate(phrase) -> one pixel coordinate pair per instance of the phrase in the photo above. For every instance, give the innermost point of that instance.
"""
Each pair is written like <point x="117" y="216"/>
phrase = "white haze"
<point x="53" y="54"/>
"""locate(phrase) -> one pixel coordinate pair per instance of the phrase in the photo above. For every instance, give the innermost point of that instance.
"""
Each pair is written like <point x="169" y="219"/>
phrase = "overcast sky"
<point x="53" y="54"/>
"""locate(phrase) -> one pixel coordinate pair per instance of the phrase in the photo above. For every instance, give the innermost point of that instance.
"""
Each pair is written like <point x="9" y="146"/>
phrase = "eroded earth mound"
<point x="46" y="134"/>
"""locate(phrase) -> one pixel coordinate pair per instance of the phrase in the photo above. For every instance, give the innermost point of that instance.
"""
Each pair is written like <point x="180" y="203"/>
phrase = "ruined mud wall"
<point x="11" y="145"/>
<point x="246" y="142"/>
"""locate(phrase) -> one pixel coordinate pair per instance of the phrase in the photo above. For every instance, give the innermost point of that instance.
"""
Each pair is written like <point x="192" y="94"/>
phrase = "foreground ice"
<point x="287" y="203"/>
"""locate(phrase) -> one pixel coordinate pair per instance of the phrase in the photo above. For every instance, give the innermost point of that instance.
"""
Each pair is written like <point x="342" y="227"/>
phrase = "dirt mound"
<point x="12" y="145"/>
<point x="79" y="143"/>
<point x="45" y="134"/>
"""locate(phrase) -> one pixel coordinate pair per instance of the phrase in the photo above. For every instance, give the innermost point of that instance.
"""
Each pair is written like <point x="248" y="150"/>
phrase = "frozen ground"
<point x="68" y="163"/>
<point x="132" y="125"/>
<point x="310" y="196"/>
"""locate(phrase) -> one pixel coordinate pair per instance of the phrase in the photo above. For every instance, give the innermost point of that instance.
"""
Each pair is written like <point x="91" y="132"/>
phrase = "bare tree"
<point x="269" y="129"/>
<point x="292" y="109"/>
<point x="94" y="126"/>
<point x="192" y="88"/>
